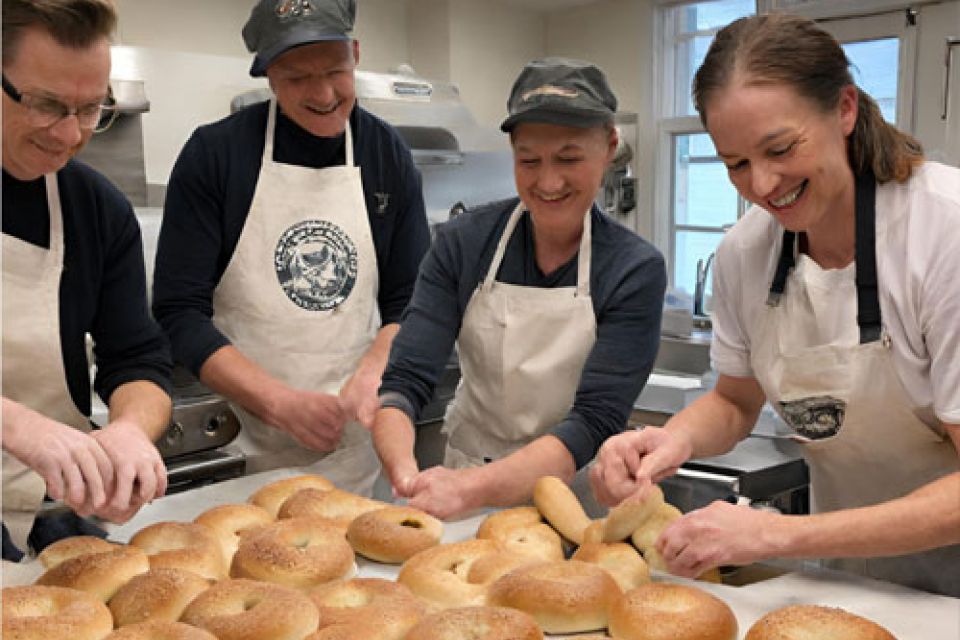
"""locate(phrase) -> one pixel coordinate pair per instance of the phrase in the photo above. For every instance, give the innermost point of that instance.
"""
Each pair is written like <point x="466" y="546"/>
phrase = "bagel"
<point x="385" y="609"/>
<point x="337" y="505"/>
<point x="229" y="521"/>
<point x="561" y="508"/>
<point x="620" y="560"/>
<point x="521" y="530"/>
<point x="182" y="545"/>
<point x="356" y="631"/>
<point x="43" y="613"/>
<point x="439" y="574"/>
<point x="594" y="532"/>
<point x="563" y="597"/>
<point x="299" y="552"/>
<point x="273" y="495"/>
<point x="477" y="623"/>
<point x="797" y="622"/>
<point x="394" y="534"/>
<point x="160" y="630"/>
<point x="631" y="514"/>
<point x="665" y="611"/>
<point x="100" y="574"/>
<point x="245" y="609"/>
<point x="662" y="517"/>
<point x="159" y="594"/>
<point x="71" y="547"/>
<point x="489" y="567"/>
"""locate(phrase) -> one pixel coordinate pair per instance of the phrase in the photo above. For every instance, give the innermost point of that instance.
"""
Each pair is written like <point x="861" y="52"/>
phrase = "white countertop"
<point x="908" y="614"/>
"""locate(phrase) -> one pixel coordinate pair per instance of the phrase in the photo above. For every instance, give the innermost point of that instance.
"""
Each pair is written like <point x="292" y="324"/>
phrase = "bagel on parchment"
<point x="477" y="623"/>
<point x="563" y="597"/>
<point x="298" y="552"/>
<point x="383" y="608"/>
<point x="182" y="545"/>
<point x="159" y="594"/>
<point x="624" y="563"/>
<point x="440" y="575"/>
<point x="665" y="611"/>
<point x="272" y="496"/>
<point x="230" y="521"/>
<point x="71" y="547"/>
<point x="522" y="530"/>
<point x="100" y="574"/>
<point x="340" y="506"/>
<point x="632" y="514"/>
<point x="561" y="508"/>
<point x="44" y="613"/>
<point x="392" y="535"/>
<point x="799" y="622"/>
<point x="246" y="609"/>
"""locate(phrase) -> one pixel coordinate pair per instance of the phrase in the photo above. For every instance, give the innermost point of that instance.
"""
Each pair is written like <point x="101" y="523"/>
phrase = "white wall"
<point x="940" y="141"/>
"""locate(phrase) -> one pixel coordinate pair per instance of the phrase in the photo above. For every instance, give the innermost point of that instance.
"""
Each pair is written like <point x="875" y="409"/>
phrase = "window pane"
<point x="702" y="16"/>
<point x="875" y="70"/>
<point x="691" y="247"/>
<point x="703" y="194"/>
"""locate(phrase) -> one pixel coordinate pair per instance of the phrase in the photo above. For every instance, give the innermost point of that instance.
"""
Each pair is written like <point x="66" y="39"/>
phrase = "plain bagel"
<point x="394" y="534"/>
<point x="272" y="496"/>
<point x="182" y="545"/>
<point x="229" y="521"/>
<point x="799" y="622"/>
<point x="619" y="559"/>
<point x="385" y="608"/>
<point x="563" y="597"/>
<point x="561" y="508"/>
<point x="245" y="609"/>
<point x="631" y="514"/>
<point x="439" y="574"/>
<point x="43" y="613"/>
<point x="522" y="530"/>
<point x="665" y="611"/>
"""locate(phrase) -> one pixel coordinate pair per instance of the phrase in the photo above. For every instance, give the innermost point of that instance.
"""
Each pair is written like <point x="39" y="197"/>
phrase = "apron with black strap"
<point x="864" y="443"/>
<point x="33" y="372"/>
<point x="299" y="298"/>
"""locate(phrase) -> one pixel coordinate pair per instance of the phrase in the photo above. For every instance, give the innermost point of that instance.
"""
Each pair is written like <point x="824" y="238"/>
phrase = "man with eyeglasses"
<point x="72" y="268"/>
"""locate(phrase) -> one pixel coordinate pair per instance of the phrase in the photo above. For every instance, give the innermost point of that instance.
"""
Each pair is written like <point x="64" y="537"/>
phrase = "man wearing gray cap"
<point x="291" y="238"/>
<point x="555" y="309"/>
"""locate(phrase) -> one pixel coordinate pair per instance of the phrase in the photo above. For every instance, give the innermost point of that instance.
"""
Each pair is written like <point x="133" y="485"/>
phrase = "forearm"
<point x="928" y="517"/>
<point x="143" y="404"/>
<point x="393" y="438"/>
<point x="374" y="361"/>
<point x="236" y="377"/>
<point x="715" y="422"/>
<point x="509" y="481"/>
<point x="16" y="426"/>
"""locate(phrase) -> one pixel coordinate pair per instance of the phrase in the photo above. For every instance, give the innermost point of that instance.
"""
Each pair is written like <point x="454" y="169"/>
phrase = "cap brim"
<point x="579" y="119"/>
<point x="265" y="58"/>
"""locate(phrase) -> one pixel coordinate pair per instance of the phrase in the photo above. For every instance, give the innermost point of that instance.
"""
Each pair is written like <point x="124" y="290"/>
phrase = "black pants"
<point x="47" y="530"/>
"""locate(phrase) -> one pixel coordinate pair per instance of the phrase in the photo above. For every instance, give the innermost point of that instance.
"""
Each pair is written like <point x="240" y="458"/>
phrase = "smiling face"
<point x="44" y="68"/>
<point x="314" y="85"/>
<point x="784" y="154"/>
<point x="558" y="170"/>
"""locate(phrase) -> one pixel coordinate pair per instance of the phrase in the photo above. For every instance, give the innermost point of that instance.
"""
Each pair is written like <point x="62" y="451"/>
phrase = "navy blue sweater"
<point x="209" y="195"/>
<point x="627" y="282"/>
<point x="103" y="286"/>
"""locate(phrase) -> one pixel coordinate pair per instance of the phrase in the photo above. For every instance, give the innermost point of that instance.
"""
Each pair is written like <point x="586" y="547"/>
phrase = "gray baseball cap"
<point x="562" y="91"/>
<point x="276" y="26"/>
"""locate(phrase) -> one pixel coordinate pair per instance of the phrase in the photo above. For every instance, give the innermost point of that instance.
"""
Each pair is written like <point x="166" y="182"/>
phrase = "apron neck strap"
<point x="583" y="258"/>
<point x="55" y="212"/>
<point x="272" y="126"/>
<point x="865" y="255"/>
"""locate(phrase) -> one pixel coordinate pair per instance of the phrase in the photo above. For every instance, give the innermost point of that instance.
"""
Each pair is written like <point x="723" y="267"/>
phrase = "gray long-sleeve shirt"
<point x="627" y="282"/>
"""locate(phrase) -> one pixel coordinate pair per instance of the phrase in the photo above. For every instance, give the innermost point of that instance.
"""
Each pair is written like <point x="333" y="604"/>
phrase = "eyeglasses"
<point x="45" y="112"/>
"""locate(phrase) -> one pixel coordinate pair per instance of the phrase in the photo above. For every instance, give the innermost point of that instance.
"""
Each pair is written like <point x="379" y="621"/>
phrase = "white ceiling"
<point x="547" y="5"/>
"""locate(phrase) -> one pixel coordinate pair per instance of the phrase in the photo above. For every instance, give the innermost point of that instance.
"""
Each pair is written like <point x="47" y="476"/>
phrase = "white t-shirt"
<point x="918" y="269"/>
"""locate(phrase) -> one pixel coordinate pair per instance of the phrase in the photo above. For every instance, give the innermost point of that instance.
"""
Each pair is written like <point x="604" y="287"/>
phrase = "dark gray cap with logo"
<point x="276" y="26"/>
<point x="561" y="91"/>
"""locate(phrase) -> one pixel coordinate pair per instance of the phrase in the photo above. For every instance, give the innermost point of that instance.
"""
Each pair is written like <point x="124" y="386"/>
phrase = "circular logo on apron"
<point x="316" y="265"/>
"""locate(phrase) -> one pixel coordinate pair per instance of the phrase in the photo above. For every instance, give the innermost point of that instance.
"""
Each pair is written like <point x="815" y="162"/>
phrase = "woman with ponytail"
<point x="837" y="301"/>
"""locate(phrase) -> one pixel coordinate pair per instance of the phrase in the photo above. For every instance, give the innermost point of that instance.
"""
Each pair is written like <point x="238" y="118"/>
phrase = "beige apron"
<point x="299" y="298"/>
<point x="522" y="350"/>
<point x="33" y="372"/>
<point x="862" y="440"/>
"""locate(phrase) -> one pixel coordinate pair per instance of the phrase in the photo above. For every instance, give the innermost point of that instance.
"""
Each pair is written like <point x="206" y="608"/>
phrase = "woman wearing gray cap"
<point x="554" y="307"/>
<point x="837" y="301"/>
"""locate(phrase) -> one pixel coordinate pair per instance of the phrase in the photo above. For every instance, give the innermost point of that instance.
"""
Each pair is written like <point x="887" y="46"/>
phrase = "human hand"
<point x="139" y="472"/>
<point x="719" y="534"/>
<point x="442" y="492"/>
<point x="359" y="397"/>
<point x="314" y="419"/>
<point x="74" y="466"/>
<point x="630" y="461"/>
<point x="403" y="476"/>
